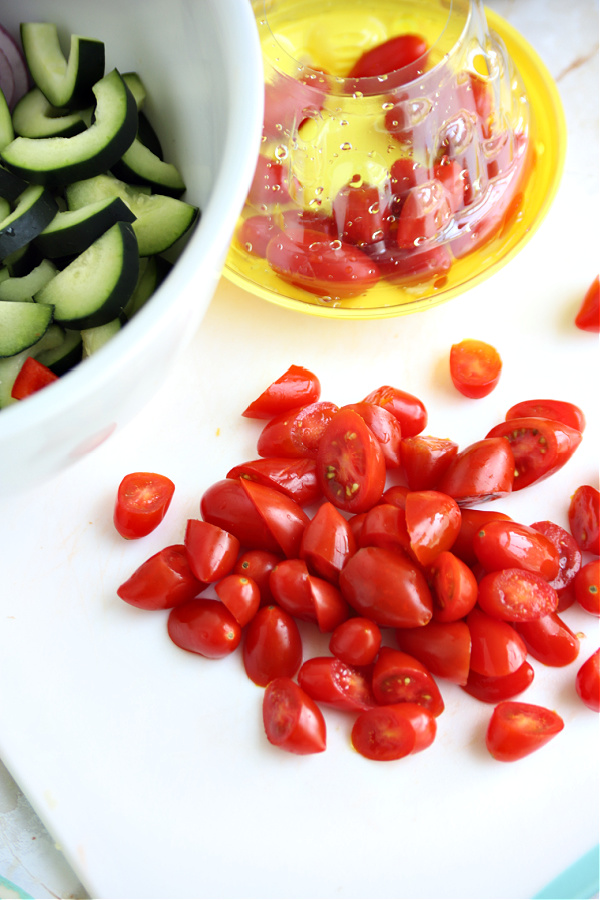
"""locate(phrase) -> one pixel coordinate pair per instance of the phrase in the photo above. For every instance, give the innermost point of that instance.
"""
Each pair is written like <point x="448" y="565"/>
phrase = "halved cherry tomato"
<point x="568" y="552"/>
<point x="295" y="477"/>
<point x="386" y="587"/>
<point x="240" y="595"/>
<point x="587" y="682"/>
<point x="504" y="545"/>
<point x="588" y="315"/>
<point x="496" y="647"/>
<point x="408" y="409"/>
<point x="398" y="52"/>
<point x="587" y="587"/>
<point x="258" y="565"/>
<point x="396" y="494"/>
<point x="307" y="596"/>
<point x="361" y="212"/>
<point x="450" y="173"/>
<point x="406" y="174"/>
<point x="385" y="526"/>
<point x="272" y="646"/>
<point x="162" y="581"/>
<point x="492" y="690"/>
<point x="270" y="184"/>
<point x="424" y="214"/>
<point x="297" y="432"/>
<point x="329" y="680"/>
<point x="482" y="471"/>
<point x="287" y="103"/>
<point x="31" y="378"/>
<point x="350" y="464"/>
<point x="211" y="551"/>
<point x="407" y="265"/>
<point x="540" y="447"/>
<point x="255" y="232"/>
<point x="443" y="647"/>
<point x="471" y="521"/>
<point x="475" y="368"/>
<point x="517" y="729"/>
<point x="391" y="732"/>
<point x="356" y="641"/>
<point x="425" y="458"/>
<point x="584" y="518"/>
<point x="327" y="542"/>
<point x="321" y="265"/>
<point x="549" y="640"/>
<point x="453" y="587"/>
<point x="385" y="427"/>
<point x="559" y="410"/>
<point x="292" y="720"/>
<point x="204" y="626"/>
<point x="516" y="595"/>
<point x="296" y="387"/>
<point x="399" y="677"/>
<point x="433" y="522"/>
<point x="284" y="518"/>
<point x="142" y="501"/>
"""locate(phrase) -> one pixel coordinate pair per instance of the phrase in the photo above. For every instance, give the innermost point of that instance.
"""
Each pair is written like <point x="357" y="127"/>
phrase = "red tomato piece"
<point x="558" y="410"/>
<point x="255" y="232"/>
<point x="327" y="543"/>
<point x="296" y="387"/>
<point x="504" y="545"/>
<point x="272" y="646"/>
<point x="443" y="647"/>
<point x="398" y="52"/>
<point x="405" y="174"/>
<point x="425" y="459"/>
<point x="331" y="608"/>
<point x="283" y="517"/>
<point x="401" y="265"/>
<point x="433" y="522"/>
<point x="569" y="553"/>
<point x="288" y="101"/>
<point x="396" y="495"/>
<point x="142" y="501"/>
<point x="517" y="729"/>
<point x="408" y="409"/>
<point x="475" y="368"/>
<point x="240" y="595"/>
<point x="311" y="219"/>
<point x="356" y="641"/>
<point x="211" y="551"/>
<point x="270" y="184"/>
<point x="496" y="647"/>
<point x="471" y="521"/>
<point x="321" y="265"/>
<point x="549" y="640"/>
<point x="350" y="463"/>
<point x="386" y="587"/>
<point x="482" y="471"/>
<point x="587" y="682"/>
<point x="31" y="378"/>
<point x="586" y="584"/>
<point x="258" y="565"/>
<point x="450" y="173"/>
<point x="229" y="506"/>
<point x="424" y="214"/>
<point x="493" y="690"/>
<point x="391" y="732"/>
<point x="292" y="720"/>
<point x="298" y="432"/>
<point x="385" y="427"/>
<point x="453" y="586"/>
<point x="516" y="595"/>
<point x="362" y="212"/>
<point x="329" y="680"/>
<point x="162" y="581"/>
<point x="204" y="626"/>
<point x="295" y="477"/>
<point x="399" y="677"/>
<point x="385" y="526"/>
<point x="290" y="586"/>
<point x="584" y="518"/>
<point x="588" y="315"/>
<point x="540" y="447"/>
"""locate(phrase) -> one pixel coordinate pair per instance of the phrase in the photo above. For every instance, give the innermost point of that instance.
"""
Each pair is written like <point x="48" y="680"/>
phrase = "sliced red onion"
<point x="15" y="59"/>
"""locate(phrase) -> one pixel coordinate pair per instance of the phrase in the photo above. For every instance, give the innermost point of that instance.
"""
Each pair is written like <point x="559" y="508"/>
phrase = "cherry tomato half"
<point x="143" y="499"/>
<point x="408" y="409"/>
<point x="496" y="647"/>
<point x="492" y="690"/>
<point x="433" y="522"/>
<point x="587" y="682"/>
<point x="453" y="586"/>
<point x="350" y="464"/>
<point x="584" y="518"/>
<point x="588" y="315"/>
<point x="391" y="732"/>
<point x="204" y="626"/>
<point x="504" y="545"/>
<point x="385" y="427"/>
<point x="587" y="587"/>
<point x="399" y="677"/>
<point x="270" y="184"/>
<point x="329" y="680"/>
<point x="424" y="213"/>
<point x="296" y="477"/>
<point x="443" y="647"/>
<point x="425" y="459"/>
<point x="211" y="551"/>
<point x="258" y="565"/>
<point x="482" y="471"/>
<point x="549" y="640"/>
<point x="475" y="368"/>
<point x="399" y="52"/>
<point x="362" y="212"/>
<point x="559" y="410"/>
<point x="162" y="581"/>
<point x="272" y="646"/>
<point x="356" y="641"/>
<point x="327" y="542"/>
<point x="517" y="729"/>
<point x="292" y="720"/>
<point x="539" y="446"/>
<point x="297" y="432"/>
<point x="568" y="552"/>
<point x="516" y="595"/>
<point x="31" y="378"/>
<point x="240" y="595"/>
<point x="296" y="387"/>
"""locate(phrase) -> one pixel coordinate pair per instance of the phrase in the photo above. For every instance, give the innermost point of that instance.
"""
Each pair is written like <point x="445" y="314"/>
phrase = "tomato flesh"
<point x="272" y="646"/>
<point x="490" y="689"/>
<point x="516" y="595"/>
<point x="588" y="315"/>
<point x="31" y="378"/>
<point x="517" y="729"/>
<point x="539" y="446"/>
<point x="292" y="720"/>
<point x="142" y="501"/>
<point x="211" y="551"/>
<point x="356" y="641"/>
<point x="400" y="677"/>
<point x="350" y="463"/>
<point x="584" y="518"/>
<point x="163" y="581"/>
<point x="296" y="387"/>
<point x="549" y="640"/>
<point x="475" y="368"/>
<point x="329" y="680"/>
<point x="587" y="682"/>
<point x="392" y="732"/>
<point x="204" y="626"/>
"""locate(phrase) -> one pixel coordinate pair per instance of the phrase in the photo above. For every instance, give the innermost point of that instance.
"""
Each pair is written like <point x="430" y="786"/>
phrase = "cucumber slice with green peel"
<point x="57" y="161"/>
<point x="34" y="210"/>
<point x="25" y="286"/>
<point x="153" y="271"/>
<point x="23" y="261"/>
<point x="95" y="338"/>
<point x="22" y="324"/>
<point x="35" y="117"/>
<point x="63" y="355"/>
<point x="7" y="132"/>
<point x="94" y="288"/>
<point x="66" y="83"/>
<point x="10" y="184"/>
<point x="139" y="165"/>
<point x="71" y="231"/>
<point x="137" y="87"/>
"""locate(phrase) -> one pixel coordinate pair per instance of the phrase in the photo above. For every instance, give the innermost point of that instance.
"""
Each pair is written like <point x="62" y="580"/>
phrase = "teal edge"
<point x="10" y="890"/>
<point x="579" y="882"/>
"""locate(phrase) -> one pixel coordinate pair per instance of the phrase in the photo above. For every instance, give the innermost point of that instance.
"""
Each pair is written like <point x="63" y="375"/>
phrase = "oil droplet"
<point x="346" y="146"/>
<point x="281" y="152"/>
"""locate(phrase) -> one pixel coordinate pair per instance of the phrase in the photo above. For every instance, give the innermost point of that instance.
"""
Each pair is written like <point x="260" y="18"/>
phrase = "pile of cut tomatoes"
<point x="414" y="583"/>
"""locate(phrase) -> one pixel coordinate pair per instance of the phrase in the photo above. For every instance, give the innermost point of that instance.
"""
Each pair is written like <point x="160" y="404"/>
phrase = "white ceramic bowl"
<point x="202" y="66"/>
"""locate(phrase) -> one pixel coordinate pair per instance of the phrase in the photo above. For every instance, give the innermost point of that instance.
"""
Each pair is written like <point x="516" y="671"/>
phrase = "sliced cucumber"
<point x="56" y="161"/>
<point x="72" y="231"/>
<point x="35" y="208"/>
<point x="64" y="83"/>
<point x="95" y="338"/>
<point x="96" y="286"/>
<point x="25" y="286"/>
<point x="62" y="356"/>
<point x="22" y="324"/>
<point x="136" y="86"/>
<point x="7" y="133"/>
<point x="10" y="184"/>
<point x="11" y="365"/>
<point x="139" y="165"/>
<point x="23" y="261"/>
<point x="35" y="117"/>
<point x="153" y="271"/>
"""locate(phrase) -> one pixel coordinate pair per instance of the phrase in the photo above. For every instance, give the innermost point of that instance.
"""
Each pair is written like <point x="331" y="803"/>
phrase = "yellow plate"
<point x="548" y="139"/>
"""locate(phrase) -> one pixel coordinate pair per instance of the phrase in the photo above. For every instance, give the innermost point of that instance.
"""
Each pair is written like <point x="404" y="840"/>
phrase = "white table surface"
<point x="557" y="261"/>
